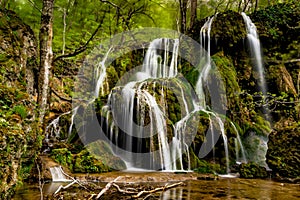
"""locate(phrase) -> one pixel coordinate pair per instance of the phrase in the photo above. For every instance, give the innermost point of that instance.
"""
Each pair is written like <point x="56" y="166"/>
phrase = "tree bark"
<point x="46" y="56"/>
<point x="193" y="13"/>
<point x="183" y="9"/>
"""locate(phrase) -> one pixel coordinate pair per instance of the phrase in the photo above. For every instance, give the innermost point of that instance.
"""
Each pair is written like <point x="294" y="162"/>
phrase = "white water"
<point x="72" y="120"/>
<point x="239" y="147"/>
<point x="158" y="64"/>
<point x="100" y="75"/>
<point x="256" y="52"/>
<point x="53" y="128"/>
<point x="205" y="43"/>
<point x="58" y="174"/>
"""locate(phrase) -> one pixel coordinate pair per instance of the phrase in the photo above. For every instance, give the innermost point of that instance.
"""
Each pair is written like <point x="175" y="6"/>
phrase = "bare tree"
<point x="46" y="57"/>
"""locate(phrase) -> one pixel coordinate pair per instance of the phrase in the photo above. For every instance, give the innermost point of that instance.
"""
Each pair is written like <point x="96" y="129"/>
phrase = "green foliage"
<point x="20" y="110"/>
<point x="277" y="24"/>
<point x="62" y="156"/>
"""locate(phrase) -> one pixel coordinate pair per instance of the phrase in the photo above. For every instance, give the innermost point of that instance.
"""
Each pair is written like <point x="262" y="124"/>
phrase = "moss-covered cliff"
<point x="278" y="29"/>
<point x="19" y="142"/>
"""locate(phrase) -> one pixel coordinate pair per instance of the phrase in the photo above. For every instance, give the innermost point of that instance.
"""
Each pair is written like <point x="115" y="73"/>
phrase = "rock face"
<point x="97" y="157"/>
<point x="283" y="155"/>
<point x="18" y="138"/>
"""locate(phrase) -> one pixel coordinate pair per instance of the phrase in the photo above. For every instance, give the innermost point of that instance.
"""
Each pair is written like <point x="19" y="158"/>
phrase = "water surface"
<point x="224" y="188"/>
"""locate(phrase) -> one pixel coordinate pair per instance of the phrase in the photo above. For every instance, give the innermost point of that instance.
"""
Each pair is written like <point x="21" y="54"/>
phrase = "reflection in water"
<point x="233" y="189"/>
<point x="225" y="188"/>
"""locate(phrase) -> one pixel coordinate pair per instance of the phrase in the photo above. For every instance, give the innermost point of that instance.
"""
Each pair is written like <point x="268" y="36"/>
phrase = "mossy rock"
<point x="62" y="156"/>
<point x="252" y="170"/>
<point x="283" y="155"/>
<point x="84" y="162"/>
<point x="97" y="157"/>
<point x="103" y="152"/>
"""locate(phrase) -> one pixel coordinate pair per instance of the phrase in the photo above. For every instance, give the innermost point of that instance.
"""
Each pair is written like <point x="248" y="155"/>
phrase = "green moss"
<point x="84" y="162"/>
<point x="62" y="156"/>
<point x="252" y="170"/>
<point x="283" y="155"/>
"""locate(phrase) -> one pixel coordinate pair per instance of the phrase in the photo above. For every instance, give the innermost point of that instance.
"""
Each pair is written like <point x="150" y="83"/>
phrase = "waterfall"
<point x="256" y="52"/>
<point x="58" y="175"/>
<point x="156" y="65"/>
<point x="100" y="74"/>
<point x="205" y="43"/>
<point x="53" y="128"/>
<point x="135" y="117"/>
<point x="134" y="99"/>
<point x="72" y="121"/>
<point x="239" y="146"/>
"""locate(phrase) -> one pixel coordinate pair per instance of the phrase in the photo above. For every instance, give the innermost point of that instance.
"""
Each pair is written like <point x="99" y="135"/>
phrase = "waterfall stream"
<point x="257" y="60"/>
<point x="136" y="117"/>
<point x="239" y="147"/>
<point x="58" y="174"/>
<point x="256" y="52"/>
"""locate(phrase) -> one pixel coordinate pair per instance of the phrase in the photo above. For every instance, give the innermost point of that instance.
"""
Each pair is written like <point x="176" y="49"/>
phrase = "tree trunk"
<point x="256" y="5"/>
<point x="46" y="57"/>
<point x="183" y="8"/>
<point x="193" y="13"/>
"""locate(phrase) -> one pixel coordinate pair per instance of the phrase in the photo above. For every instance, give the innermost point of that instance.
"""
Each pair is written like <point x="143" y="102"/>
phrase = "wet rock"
<point x="252" y="170"/>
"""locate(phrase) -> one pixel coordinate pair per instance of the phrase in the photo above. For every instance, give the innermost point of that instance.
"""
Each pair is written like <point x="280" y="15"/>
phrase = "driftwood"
<point x="136" y="195"/>
<point x="106" y="188"/>
<point x="157" y="189"/>
<point x="65" y="187"/>
<point x="133" y="192"/>
<point x="70" y="184"/>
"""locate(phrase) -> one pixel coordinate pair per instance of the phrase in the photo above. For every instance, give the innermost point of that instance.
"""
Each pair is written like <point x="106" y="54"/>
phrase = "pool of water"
<point x="223" y="188"/>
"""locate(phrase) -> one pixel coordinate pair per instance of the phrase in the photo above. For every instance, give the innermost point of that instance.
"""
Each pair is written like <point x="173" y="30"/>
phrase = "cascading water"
<point x="239" y="147"/>
<point x="136" y="111"/>
<point x="256" y="54"/>
<point x="58" y="174"/>
<point x="53" y="131"/>
<point x="139" y="107"/>
<point x="205" y="43"/>
<point x="158" y="65"/>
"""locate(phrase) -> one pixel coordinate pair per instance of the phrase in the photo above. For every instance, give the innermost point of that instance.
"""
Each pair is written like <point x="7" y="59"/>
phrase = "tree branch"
<point x="283" y="61"/>
<point x="62" y="98"/>
<point x="81" y="48"/>
<point x="110" y="3"/>
<point x="41" y="184"/>
<point x="108" y="185"/>
<point x="157" y="189"/>
<point x="35" y="6"/>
